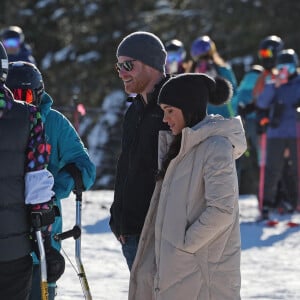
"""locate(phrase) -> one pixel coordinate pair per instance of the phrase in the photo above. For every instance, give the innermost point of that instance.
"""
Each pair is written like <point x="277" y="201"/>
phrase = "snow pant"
<point x="15" y="278"/>
<point x="35" y="293"/>
<point x="248" y="164"/>
<point x="252" y="136"/>
<point x="275" y="164"/>
<point x="130" y="248"/>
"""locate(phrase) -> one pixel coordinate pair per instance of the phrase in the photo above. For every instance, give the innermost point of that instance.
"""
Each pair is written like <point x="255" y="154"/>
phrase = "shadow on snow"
<point x="101" y="226"/>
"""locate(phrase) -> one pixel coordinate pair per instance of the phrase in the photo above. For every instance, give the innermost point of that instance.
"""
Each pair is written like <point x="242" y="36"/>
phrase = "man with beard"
<point x="141" y="59"/>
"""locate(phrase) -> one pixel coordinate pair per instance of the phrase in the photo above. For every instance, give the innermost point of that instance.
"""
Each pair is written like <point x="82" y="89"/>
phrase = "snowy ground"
<point x="270" y="256"/>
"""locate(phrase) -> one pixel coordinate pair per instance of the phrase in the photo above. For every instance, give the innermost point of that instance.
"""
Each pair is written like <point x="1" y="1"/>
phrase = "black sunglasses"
<point x="127" y="65"/>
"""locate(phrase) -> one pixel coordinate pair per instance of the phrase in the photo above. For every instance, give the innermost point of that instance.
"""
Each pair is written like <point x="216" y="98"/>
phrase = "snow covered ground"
<point x="270" y="256"/>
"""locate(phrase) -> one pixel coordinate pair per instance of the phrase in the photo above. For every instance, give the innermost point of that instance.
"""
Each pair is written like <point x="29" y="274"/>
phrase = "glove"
<point x="245" y="109"/>
<point x="55" y="264"/>
<point x="43" y="214"/>
<point x="75" y="173"/>
<point x="262" y="125"/>
<point x="262" y="121"/>
<point x="241" y="110"/>
<point x="54" y="260"/>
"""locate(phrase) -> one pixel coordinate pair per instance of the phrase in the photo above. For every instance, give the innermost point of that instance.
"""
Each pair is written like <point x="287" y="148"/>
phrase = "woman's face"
<point x="174" y="117"/>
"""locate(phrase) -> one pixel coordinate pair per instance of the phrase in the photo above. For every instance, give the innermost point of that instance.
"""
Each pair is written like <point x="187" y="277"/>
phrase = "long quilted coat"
<point x="190" y="243"/>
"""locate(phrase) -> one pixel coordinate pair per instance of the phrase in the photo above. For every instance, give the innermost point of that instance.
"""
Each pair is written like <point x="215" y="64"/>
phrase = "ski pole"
<point x="298" y="158"/>
<point x="263" y="150"/>
<point x="76" y="231"/>
<point x="43" y="265"/>
<point x="82" y="275"/>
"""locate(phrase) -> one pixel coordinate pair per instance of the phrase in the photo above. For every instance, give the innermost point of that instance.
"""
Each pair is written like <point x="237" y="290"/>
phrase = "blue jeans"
<point x="36" y="286"/>
<point x="129" y="248"/>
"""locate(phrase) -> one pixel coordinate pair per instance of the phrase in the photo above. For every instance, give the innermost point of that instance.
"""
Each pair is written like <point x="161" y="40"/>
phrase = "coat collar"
<point x="212" y="125"/>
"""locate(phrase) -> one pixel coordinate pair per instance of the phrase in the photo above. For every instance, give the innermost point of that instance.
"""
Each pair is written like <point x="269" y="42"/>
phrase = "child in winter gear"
<point x="66" y="147"/>
<point x="190" y="243"/>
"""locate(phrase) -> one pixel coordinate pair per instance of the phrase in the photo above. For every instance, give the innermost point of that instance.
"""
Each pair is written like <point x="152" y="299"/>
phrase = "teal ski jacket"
<point x="226" y="110"/>
<point x="66" y="147"/>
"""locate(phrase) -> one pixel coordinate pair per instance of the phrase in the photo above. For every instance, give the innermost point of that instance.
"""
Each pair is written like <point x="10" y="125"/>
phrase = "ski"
<point x="272" y="223"/>
<point x="293" y="224"/>
<point x="275" y="223"/>
<point x="262" y="166"/>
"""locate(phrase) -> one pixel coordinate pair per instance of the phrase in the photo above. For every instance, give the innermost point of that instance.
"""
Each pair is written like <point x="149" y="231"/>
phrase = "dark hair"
<point x="172" y="153"/>
<point x="191" y="93"/>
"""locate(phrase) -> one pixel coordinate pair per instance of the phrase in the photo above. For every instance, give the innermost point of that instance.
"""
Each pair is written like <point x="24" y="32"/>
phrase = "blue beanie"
<point x="145" y="47"/>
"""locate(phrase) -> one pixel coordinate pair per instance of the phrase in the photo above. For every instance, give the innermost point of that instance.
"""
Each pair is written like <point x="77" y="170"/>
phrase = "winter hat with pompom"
<point x="191" y="92"/>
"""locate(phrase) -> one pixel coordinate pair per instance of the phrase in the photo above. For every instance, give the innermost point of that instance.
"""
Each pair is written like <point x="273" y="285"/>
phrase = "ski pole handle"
<point x="73" y="170"/>
<point x="75" y="233"/>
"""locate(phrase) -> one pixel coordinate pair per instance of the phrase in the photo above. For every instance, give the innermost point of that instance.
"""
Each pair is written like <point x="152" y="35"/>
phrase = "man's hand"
<point x="122" y="239"/>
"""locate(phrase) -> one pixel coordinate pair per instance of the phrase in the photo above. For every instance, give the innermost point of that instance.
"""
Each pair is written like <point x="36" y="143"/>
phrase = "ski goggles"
<point x="174" y="57"/>
<point x="265" y="53"/>
<point x="11" y="43"/>
<point x="26" y="95"/>
<point x="127" y="65"/>
<point x="288" y="67"/>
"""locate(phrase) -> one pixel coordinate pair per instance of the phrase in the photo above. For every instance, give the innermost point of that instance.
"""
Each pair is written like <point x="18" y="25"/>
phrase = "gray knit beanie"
<point x="145" y="47"/>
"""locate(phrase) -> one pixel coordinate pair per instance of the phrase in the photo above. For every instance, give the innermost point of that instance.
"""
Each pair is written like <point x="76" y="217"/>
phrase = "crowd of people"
<point x="267" y="100"/>
<point x="188" y="136"/>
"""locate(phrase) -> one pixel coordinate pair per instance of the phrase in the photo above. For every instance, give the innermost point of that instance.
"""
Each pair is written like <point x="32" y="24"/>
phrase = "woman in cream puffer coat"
<point x="190" y="244"/>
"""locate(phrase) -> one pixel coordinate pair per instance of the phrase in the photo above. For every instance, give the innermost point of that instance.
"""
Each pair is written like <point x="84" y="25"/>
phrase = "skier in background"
<point x="26" y="83"/>
<point x="244" y="103"/>
<point x="206" y="59"/>
<point x="176" y="56"/>
<point x="25" y="185"/>
<point x="280" y="98"/>
<point x="247" y="165"/>
<point x="13" y="39"/>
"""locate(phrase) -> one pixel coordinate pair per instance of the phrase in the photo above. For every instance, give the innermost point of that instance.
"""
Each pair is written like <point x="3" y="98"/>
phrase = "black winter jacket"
<point x="137" y="164"/>
<point x="14" y="223"/>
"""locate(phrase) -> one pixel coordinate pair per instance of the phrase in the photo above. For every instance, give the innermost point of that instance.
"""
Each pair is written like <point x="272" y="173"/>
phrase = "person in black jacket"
<point x="25" y="186"/>
<point x="141" y="66"/>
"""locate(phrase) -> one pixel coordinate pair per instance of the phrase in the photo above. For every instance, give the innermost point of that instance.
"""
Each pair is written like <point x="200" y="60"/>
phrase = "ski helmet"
<point x="12" y="32"/>
<point x="3" y="63"/>
<point x="202" y="46"/>
<point x="268" y="49"/>
<point x="176" y="46"/>
<point x="176" y="54"/>
<point x="287" y="56"/>
<point x="288" y="59"/>
<point x="25" y="81"/>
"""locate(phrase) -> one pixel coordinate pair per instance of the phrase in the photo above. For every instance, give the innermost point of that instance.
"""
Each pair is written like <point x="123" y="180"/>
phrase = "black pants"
<point x="15" y="278"/>
<point x="275" y="167"/>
